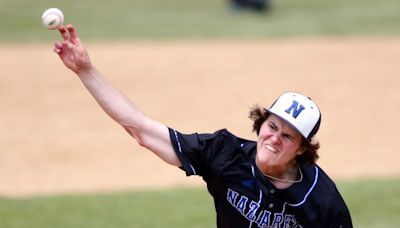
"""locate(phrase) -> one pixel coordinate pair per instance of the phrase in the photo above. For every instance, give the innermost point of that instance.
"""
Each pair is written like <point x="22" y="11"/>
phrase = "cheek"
<point x="263" y="156"/>
<point x="295" y="146"/>
<point x="264" y="132"/>
<point x="293" y="150"/>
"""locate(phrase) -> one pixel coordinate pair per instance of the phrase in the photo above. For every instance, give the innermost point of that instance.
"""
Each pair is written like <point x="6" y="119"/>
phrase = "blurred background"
<point x="177" y="19"/>
<point x="196" y="66"/>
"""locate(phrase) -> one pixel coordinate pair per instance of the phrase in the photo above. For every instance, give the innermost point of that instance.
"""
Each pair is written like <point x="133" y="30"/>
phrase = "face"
<point x="278" y="143"/>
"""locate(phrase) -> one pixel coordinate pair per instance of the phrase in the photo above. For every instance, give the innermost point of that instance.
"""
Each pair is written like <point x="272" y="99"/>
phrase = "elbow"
<point x="138" y="135"/>
<point x="135" y="133"/>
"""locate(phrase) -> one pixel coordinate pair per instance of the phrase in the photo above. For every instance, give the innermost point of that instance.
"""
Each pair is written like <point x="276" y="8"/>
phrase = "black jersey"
<point x="243" y="197"/>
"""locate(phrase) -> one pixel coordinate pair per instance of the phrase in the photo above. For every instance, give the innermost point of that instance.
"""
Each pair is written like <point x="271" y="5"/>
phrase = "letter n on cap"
<point x="295" y="108"/>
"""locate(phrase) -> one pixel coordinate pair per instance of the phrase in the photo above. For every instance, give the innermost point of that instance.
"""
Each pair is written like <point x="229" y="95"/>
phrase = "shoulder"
<point x="333" y="202"/>
<point x="206" y="153"/>
<point x="325" y="184"/>
<point x="328" y="196"/>
<point x="320" y="183"/>
<point x="318" y="190"/>
<point x="220" y="137"/>
<point x="316" y="187"/>
<point x="230" y="143"/>
<point x="221" y="143"/>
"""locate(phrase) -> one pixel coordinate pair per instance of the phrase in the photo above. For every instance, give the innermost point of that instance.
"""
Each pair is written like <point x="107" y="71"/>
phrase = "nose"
<point x="276" y="138"/>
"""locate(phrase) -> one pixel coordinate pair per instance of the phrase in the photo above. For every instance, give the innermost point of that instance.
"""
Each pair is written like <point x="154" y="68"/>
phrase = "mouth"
<point x="271" y="148"/>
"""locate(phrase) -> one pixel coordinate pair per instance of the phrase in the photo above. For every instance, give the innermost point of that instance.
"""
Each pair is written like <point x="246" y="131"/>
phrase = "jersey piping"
<point x="180" y="150"/>
<point x="306" y="195"/>
<point x="259" y="189"/>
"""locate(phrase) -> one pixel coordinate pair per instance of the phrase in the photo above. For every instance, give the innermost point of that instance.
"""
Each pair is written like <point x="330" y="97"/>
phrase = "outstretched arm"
<point x="148" y="133"/>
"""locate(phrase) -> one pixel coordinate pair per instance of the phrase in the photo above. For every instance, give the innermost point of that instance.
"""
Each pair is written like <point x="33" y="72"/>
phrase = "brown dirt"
<point x="55" y="139"/>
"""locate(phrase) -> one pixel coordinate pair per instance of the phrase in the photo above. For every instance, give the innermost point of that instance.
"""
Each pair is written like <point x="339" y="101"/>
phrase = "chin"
<point x="263" y="159"/>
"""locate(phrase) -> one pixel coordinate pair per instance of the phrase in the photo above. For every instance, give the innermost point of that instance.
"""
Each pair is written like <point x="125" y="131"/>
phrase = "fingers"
<point x="73" y="34"/>
<point x="70" y="46"/>
<point x="64" y="33"/>
<point x="58" y="47"/>
<point x="70" y="36"/>
<point x="69" y="33"/>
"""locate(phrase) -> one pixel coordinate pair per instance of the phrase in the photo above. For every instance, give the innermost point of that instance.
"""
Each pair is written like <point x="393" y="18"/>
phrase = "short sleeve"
<point x="202" y="154"/>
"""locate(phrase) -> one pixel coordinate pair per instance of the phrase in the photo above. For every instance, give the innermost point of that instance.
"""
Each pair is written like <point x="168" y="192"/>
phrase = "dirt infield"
<point x="55" y="139"/>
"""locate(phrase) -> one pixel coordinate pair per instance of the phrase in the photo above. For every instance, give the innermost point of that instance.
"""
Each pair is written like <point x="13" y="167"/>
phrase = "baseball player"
<point x="271" y="182"/>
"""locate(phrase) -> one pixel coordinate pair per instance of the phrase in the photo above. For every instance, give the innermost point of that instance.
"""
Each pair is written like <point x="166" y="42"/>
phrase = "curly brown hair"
<point x="310" y="155"/>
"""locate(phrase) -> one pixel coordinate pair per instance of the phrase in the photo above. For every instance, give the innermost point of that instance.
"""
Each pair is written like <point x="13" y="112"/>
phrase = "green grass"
<point x="373" y="204"/>
<point x="158" y="19"/>
<point x="172" y="208"/>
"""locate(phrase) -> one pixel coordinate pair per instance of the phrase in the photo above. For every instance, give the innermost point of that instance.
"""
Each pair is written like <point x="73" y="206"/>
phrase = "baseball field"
<point x="196" y="66"/>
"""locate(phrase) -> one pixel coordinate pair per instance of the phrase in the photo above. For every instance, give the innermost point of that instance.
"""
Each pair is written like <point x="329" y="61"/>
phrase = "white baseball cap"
<point x="299" y="111"/>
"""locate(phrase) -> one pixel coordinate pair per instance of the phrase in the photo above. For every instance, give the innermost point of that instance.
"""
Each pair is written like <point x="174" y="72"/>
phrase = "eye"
<point x="272" y="126"/>
<point x="289" y="137"/>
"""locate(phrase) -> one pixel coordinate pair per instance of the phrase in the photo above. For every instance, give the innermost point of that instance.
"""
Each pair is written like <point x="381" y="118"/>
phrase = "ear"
<point x="301" y="150"/>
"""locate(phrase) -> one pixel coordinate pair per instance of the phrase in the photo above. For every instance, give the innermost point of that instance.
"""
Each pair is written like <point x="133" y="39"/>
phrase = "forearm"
<point x="112" y="101"/>
<point x="148" y="133"/>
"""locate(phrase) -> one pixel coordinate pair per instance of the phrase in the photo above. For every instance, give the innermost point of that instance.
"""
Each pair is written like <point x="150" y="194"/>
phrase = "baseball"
<point x="52" y="18"/>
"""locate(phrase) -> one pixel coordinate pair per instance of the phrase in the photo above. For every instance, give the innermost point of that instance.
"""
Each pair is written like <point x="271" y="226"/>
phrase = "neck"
<point x="282" y="176"/>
